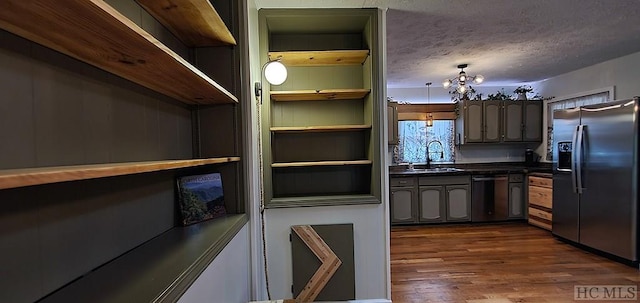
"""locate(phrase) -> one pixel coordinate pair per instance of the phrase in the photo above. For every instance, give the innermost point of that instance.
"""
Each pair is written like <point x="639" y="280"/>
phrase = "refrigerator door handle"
<point x="580" y="155"/>
<point x="574" y="156"/>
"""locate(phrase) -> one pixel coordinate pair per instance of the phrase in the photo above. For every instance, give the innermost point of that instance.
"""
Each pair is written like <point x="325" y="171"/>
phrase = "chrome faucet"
<point x="429" y="153"/>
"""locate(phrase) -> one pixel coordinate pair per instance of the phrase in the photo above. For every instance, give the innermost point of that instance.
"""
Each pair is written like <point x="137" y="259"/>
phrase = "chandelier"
<point x="462" y="79"/>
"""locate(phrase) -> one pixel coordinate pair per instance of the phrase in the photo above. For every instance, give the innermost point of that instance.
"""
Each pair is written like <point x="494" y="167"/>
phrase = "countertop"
<point x="544" y="169"/>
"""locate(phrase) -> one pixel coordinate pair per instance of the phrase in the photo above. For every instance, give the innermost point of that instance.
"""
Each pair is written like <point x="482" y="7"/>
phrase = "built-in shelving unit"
<point x="323" y="124"/>
<point x="96" y="33"/>
<point x="194" y="22"/>
<point x="319" y="95"/>
<point x="157" y="271"/>
<point x="322" y="163"/>
<point x="325" y="128"/>
<point x="117" y="237"/>
<point x="320" y="57"/>
<point x="13" y="178"/>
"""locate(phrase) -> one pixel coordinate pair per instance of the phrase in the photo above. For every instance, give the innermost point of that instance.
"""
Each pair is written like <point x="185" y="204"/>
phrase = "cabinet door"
<point x="516" y="201"/>
<point x="432" y="204"/>
<point x="532" y="121"/>
<point x="458" y="203"/>
<point x="403" y="205"/>
<point x="392" y="122"/>
<point x="512" y="126"/>
<point x="473" y="121"/>
<point x="492" y="121"/>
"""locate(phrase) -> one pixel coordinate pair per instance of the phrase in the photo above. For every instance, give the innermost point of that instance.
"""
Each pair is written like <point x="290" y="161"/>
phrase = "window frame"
<point x="610" y="90"/>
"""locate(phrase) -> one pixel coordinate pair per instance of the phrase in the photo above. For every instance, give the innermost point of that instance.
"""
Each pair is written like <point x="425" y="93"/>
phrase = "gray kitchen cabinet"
<point x="512" y="121"/>
<point x="481" y="121"/>
<point x="522" y="121"/>
<point x="431" y="199"/>
<point x="403" y="205"/>
<point x="458" y="199"/>
<point x="473" y="122"/>
<point x="392" y="122"/>
<point x="532" y="121"/>
<point x="497" y="121"/>
<point x="403" y="200"/>
<point x="453" y="196"/>
<point x="491" y="115"/>
<point x="516" y="196"/>
<point x="432" y="206"/>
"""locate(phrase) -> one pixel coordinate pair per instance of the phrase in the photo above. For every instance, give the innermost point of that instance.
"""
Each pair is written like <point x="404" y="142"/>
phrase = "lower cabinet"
<point x="516" y="196"/>
<point x="458" y="202"/>
<point x="444" y="198"/>
<point x="403" y="200"/>
<point x="432" y="206"/>
<point x="444" y="203"/>
<point x="403" y="205"/>
<point x="434" y="199"/>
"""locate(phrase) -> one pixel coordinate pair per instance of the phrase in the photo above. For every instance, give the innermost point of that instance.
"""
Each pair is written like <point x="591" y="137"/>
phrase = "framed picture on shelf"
<point x="200" y="198"/>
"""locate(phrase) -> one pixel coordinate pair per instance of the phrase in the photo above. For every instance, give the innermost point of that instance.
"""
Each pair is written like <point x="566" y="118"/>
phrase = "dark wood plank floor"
<point x="493" y="263"/>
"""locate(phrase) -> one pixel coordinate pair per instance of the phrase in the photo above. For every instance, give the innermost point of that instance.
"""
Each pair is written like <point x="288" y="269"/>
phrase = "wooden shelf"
<point x="13" y="178"/>
<point x="322" y="163"/>
<point x="95" y="33"/>
<point x="285" y="202"/>
<point x="319" y="95"/>
<point x="324" y="128"/>
<point x="195" y="22"/>
<point x="310" y="58"/>
<point x="160" y="270"/>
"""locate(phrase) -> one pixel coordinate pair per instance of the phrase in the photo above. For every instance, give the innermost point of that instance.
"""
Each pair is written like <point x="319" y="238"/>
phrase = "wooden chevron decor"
<point x="329" y="262"/>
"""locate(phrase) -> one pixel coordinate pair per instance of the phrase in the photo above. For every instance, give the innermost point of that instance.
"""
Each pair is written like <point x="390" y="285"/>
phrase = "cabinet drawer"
<point x="402" y="182"/>
<point x="540" y="223"/>
<point x="539" y="181"/>
<point x="541" y="196"/>
<point x="539" y="213"/>
<point x="445" y="180"/>
<point x="516" y="177"/>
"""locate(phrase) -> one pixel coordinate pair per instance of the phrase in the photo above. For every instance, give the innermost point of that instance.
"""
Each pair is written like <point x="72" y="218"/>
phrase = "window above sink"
<point x="414" y="136"/>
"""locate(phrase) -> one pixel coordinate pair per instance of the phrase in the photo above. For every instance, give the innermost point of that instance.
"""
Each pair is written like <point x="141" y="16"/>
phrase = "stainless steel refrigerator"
<point x="595" y="177"/>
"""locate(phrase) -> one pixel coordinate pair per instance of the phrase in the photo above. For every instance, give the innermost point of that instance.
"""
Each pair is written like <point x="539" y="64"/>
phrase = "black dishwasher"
<point x="490" y="198"/>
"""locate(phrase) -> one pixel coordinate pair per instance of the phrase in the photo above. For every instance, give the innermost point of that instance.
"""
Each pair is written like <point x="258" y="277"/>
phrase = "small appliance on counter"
<point x="531" y="158"/>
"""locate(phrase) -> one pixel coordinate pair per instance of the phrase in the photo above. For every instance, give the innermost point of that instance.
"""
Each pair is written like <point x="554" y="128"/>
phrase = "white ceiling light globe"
<point x="275" y="72"/>
<point x="478" y="79"/>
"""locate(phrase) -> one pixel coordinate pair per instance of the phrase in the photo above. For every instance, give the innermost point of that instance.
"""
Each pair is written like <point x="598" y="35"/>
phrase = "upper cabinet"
<point x="95" y="33"/>
<point x="322" y="142"/>
<point x="392" y="123"/>
<point x="496" y="121"/>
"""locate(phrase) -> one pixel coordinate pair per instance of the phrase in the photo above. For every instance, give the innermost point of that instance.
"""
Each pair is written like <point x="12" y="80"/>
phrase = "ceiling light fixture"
<point x="429" y="116"/>
<point x="462" y="79"/>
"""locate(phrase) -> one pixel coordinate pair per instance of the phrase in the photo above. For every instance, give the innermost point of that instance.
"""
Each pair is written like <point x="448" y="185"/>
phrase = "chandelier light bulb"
<point x="462" y="77"/>
<point x="478" y="79"/>
<point x="447" y="83"/>
<point x="275" y="72"/>
<point x="462" y="89"/>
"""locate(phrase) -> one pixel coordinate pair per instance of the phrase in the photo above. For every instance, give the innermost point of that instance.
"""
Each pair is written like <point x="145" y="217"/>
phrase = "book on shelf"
<point x="200" y="198"/>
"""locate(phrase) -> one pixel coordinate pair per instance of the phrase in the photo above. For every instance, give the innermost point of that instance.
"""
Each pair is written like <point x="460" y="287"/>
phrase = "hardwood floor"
<point x="493" y="263"/>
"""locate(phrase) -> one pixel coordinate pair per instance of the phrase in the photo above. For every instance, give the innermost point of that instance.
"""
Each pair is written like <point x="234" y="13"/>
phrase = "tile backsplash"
<point x="485" y="153"/>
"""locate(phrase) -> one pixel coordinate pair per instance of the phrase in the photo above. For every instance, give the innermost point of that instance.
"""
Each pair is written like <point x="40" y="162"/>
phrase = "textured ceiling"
<point x="508" y="41"/>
